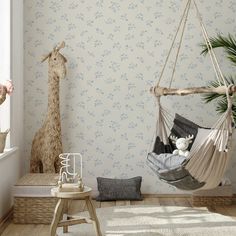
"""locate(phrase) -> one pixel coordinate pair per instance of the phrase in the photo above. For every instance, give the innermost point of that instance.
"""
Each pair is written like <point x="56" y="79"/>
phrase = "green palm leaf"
<point x="229" y="45"/>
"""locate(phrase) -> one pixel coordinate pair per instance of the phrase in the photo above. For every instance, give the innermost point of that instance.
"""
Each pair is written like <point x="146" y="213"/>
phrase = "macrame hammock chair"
<point x="207" y="161"/>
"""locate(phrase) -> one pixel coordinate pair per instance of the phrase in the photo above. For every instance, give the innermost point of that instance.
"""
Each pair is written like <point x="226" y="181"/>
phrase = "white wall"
<point x="17" y="100"/>
<point x="9" y="174"/>
<point x="115" y="51"/>
<point x="11" y="165"/>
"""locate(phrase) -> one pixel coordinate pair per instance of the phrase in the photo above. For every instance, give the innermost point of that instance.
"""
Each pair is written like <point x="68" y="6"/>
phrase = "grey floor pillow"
<point x="119" y="189"/>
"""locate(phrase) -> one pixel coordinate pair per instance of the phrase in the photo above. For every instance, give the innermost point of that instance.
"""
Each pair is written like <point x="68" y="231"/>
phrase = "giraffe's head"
<point x="57" y="61"/>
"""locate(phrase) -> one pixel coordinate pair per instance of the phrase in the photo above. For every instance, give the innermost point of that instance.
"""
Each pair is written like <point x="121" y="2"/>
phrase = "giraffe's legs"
<point x="57" y="164"/>
<point x="48" y="167"/>
<point x="34" y="165"/>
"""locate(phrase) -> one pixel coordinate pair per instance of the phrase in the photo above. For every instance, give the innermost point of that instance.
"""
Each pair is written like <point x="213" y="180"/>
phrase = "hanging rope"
<point x="214" y="60"/>
<point x="219" y="75"/>
<point x="180" y="44"/>
<point x="173" y="42"/>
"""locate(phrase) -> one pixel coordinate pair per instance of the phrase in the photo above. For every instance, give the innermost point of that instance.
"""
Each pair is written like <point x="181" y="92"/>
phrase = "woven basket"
<point x="220" y="196"/>
<point x="33" y="203"/>
<point x="34" y="210"/>
<point x="199" y="201"/>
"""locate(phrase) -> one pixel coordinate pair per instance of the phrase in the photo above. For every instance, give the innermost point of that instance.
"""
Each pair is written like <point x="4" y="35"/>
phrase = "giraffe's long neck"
<point x="53" y="113"/>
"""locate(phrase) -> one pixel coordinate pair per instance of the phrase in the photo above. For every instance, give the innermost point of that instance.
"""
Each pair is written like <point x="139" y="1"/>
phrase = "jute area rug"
<point x="158" y="221"/>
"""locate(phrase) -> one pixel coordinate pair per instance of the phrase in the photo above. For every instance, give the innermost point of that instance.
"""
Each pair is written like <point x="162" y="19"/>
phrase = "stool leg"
<point x="56" y="217"/>
<point x="93" y="215"/>
<point x="65" y="211"/>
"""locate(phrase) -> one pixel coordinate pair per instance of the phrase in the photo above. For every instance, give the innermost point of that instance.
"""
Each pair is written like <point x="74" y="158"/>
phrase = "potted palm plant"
<point x="228" y="43"/>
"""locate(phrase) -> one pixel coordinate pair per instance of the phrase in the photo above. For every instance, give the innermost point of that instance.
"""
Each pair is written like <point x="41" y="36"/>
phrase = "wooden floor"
<point x="77" y="206"/>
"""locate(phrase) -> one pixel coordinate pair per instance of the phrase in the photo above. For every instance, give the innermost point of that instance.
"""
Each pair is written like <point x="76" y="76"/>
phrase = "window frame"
<point x="5" y="108"/>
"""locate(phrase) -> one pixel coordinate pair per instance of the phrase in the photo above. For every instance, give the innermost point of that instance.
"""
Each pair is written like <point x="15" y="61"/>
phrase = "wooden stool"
<point x="61" y="219"/>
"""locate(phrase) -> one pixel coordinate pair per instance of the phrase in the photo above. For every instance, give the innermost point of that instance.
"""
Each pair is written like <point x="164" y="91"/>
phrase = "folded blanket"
<point x="167" y="166"/>
<point x="171" y="169"/>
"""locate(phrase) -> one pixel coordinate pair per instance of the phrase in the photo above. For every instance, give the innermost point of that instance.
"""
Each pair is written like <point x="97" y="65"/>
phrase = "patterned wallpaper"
<point x="115" y="51"/>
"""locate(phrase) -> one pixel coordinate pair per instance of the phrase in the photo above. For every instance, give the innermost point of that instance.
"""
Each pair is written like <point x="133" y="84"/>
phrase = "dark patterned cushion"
<point x="119" y="189"/>
<point x="182" y="128"/>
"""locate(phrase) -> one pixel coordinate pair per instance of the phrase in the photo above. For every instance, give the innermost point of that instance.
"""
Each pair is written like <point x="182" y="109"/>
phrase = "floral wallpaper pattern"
<point x="115" y="51"/>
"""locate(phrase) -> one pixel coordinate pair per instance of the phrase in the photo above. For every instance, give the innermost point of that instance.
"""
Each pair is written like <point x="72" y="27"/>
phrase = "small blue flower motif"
<point x="91" y="113"/>
<point x="132" y="66"/>
<point x="129" y="36"/>
<point x="141" y="119"/>
<point x="110" y="96"/>
<point x="140" y="105"/>
<point x="123" y="57"/>
<point x="106" y="112"/>
<point x="109" y="21"/>
<point x="128" y="97"/>
<point x="110" y="140"/>
<point x="131" y="27"/>
<point x="80" y="16"/>
<point x="132" y="6"/>
<point x="110" y="81"/>
<point x="140" y="45"/>
<point x="99" y="63"/>
<point x="141" y="164"/>
<point x="97" y="43"/>
<point x="140" y="59"/>
<point x="71" y="27"/>
<point x="99" y="3"/>
<point x="132" y="125"/>
<point x="140" y="17"/>
<point x="158" y="15"/>
<point x="110" y="156"/>
<point x="116" y="29"/>
<point x="99" y="150"/>
<point x="140" y="76"/>
<point x="123" y="116"/>
<point x="128" y="107"/>
<point x="124" y="77"/>
<point x="117" y="165"/>
<point x="106" y="53"/>
<point x="98" y="15"/>
<point x="38" y="15"/>
<point x="99" y="31"/>
<point x="124" y="136"/>
<point x="38" y="102"/>
<point x="80" y="136"/>
<point x="40" y="4"/>
<point x="124" y="17"/>
<point x="74" y="5"/>
<point x="114" y="125"/>
<point x="117" y="88"/>
<point x="107" y="172"/>
<point x="100" y="123"/>
<point x="89" y="23"/>
<point x="97" y="103"/>
<point x="115" y="7"/>
<point x="149" y="23"/>
<point x="55" y="6"/>
<point x="116" y="105"/>
<point x="114" y="66"/>
<point x="117" y="45"/>
<point x="51" y="37"/>
<point x="131" y="86"/>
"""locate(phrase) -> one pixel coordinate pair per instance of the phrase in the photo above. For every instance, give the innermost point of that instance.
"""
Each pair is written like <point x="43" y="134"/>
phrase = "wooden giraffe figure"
<point x="47" y="143"/>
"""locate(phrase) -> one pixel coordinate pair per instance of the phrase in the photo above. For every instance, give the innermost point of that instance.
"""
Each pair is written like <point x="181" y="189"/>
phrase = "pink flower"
<point x="10" y="87"/>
